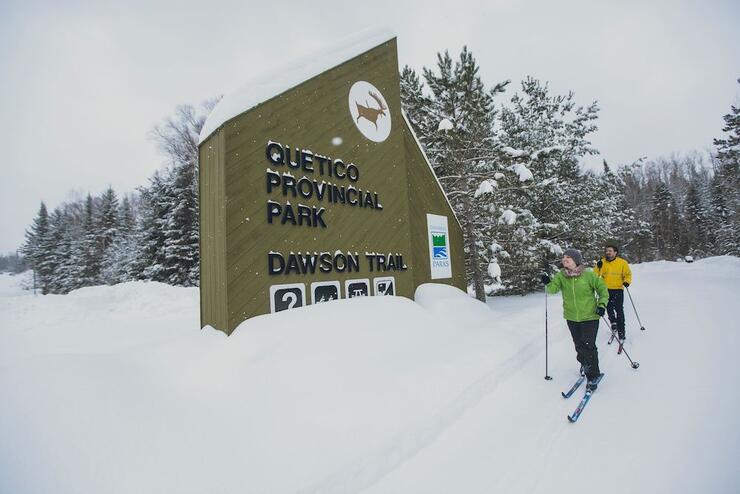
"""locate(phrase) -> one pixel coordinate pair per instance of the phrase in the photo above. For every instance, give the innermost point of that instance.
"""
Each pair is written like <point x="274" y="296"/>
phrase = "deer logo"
<point x="369" y="111"/>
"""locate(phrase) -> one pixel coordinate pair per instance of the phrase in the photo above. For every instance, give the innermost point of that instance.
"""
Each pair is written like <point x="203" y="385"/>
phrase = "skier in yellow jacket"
<point x="616" y="273"/>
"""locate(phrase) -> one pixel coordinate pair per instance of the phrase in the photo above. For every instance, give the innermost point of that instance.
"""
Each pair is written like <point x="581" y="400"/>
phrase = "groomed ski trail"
<point x="367" y="469"/>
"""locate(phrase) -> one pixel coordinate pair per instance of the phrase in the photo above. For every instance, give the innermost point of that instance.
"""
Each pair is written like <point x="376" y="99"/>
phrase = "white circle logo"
<point x="369" y="111"/>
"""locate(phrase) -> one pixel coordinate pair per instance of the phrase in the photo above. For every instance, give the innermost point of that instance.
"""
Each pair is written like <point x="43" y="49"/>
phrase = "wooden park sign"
<point x="314" y="188"/>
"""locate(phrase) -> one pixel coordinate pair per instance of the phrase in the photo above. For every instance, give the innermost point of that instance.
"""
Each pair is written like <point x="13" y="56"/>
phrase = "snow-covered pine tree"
<point x="88" y="246"/>
<point x="725" y="190"/>
<point x="107" y="219"/>
<point x="126" y="216"/>
<point x="596" y="215"/>
<point x="455" y="126"/>
<point x="150" y="239"/>
<point x="120" y="257"/>
<point x="631" y="229"/>
<point x="725" y="235"/>
<point x="35" y="248"/>
<point x="53" y="259"/>
<point x="177" y="138"/>
<point x="695" y="221"/>
<point x="66" y="252"/>
<point x="182" y="228"/>
<point x="665" y="222"/>
<point x="603" y="214"/>
<point x="110" y="235"/>
<point x="542" y="136"/>
<point x="413" y="101"/>
<point x="74" y="245"/>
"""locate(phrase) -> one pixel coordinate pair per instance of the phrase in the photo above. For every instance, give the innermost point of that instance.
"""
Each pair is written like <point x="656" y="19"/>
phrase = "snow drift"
<point x="115" y="389"/>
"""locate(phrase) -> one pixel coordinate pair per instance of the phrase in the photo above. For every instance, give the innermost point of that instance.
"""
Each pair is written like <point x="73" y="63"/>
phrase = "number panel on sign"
<point x="288" y="296"/>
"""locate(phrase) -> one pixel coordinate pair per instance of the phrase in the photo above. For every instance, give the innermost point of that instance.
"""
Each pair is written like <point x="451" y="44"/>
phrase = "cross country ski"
<point x="584" y="401"/>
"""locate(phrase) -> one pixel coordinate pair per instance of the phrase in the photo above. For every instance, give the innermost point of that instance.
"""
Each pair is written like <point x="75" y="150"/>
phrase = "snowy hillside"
<point x="116" y="390"/>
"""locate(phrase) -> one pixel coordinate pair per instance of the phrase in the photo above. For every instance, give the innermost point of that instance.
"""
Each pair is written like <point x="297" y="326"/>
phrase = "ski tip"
<point x="571" y="419"/>
<point x="564" y="395"/>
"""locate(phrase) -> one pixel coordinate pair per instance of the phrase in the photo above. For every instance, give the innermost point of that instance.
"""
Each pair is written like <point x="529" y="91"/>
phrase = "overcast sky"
<point x="83" y="82"/>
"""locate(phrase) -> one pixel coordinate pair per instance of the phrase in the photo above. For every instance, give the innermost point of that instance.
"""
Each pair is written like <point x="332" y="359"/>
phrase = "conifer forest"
<point x="508" y="156"/>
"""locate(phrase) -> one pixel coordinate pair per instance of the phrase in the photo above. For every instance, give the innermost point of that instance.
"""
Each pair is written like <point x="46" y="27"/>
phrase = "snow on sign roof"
<point x="275" y="82"/>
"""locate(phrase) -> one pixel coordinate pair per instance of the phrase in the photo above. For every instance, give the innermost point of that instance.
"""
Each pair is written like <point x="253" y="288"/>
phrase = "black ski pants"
<point x="615" y="310"/>
<point x="584" y="338"/>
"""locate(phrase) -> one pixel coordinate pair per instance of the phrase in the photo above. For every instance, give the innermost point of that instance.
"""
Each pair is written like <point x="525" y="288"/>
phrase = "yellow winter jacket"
<point x="614" y="273"/>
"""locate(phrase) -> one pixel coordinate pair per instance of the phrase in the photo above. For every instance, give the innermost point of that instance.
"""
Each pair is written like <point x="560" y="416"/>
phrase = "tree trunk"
<point x="477" y="274"/>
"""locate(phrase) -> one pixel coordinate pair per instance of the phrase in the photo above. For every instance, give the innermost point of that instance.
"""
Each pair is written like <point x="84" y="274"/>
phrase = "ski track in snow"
<point x="368" y="469"/>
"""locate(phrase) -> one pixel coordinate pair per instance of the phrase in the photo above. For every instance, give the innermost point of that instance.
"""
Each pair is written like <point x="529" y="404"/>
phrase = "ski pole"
<point x="547" y="375"/>
<point x="635" y="365"/>
<point x="633" y="308"/>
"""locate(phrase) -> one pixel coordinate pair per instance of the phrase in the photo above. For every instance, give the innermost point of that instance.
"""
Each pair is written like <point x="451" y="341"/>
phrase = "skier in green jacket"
<point x="584" y="301"/>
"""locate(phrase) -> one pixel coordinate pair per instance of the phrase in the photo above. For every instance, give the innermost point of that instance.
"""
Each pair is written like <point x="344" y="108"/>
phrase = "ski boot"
<point x="592" y="384"/>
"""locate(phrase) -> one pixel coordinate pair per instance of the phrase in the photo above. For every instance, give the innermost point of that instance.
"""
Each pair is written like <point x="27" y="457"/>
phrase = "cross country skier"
<point x="616" y="273"/>
<point x="581" y="309"/>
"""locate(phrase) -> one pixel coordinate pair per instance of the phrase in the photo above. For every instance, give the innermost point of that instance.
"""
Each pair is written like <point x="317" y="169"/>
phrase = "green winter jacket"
<point x="579" y="302"/>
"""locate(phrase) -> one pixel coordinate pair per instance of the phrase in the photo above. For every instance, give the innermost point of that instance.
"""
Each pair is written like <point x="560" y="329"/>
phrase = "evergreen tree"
<point x="177" y="201"/>
<point x="108" y="232"/>
<point x="455" y="127"/>
<point x="119" y="261"/>
<point x="150" y="262"/>
<point x="88" y="247"/>
<point x="182" y="228"/>
<point x="36" y="248"/>
<point x="695" y="219"/>
<point x="127" y="221"/>
<point x="665" y="222"/>
<point x="543" y="136"/>
<point x="725" y="190"/>
<point x="74" y="248"/>
<point x="63" y="262"/>
<point x="413" y="101"/>
<point x="107" y="223"/>
<point x="725" y="235"/>
<point x="728" y="149"/>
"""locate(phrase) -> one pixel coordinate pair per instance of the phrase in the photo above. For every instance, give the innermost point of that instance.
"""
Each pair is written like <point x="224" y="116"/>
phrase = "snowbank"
<point x="115" y="389"/>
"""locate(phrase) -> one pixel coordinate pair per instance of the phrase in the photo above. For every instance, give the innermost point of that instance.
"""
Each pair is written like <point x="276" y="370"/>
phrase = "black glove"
<point x="625" y="284"/>
<point x="600" y="311"/>
<point x="599" y="264"/>
<point x="545" y="279"/>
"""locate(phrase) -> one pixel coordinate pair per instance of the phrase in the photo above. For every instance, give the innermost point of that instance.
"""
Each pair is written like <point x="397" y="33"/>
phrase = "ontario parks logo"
<point x="439" y="245"/>
<point x="369" y="111"/>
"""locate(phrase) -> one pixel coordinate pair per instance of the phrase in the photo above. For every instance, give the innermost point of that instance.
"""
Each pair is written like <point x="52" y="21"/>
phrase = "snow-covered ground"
<point x="116" y="390"/>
